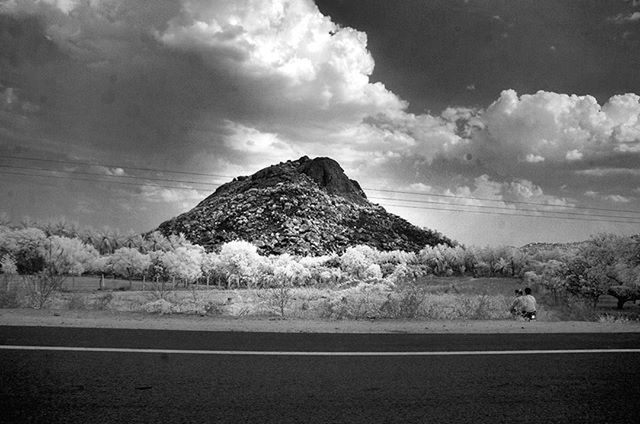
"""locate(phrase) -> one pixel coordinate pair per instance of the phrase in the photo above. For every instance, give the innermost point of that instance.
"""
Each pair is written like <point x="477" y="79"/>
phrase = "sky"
<point x="493" y="122"/>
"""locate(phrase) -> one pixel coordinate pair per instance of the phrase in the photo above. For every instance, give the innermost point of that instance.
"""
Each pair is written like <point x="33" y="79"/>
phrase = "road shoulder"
<point x="107" y="319"/>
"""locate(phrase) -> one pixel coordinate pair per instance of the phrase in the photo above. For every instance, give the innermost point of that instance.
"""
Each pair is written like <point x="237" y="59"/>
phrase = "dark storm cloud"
<point x="227" y="87"/>
<point x="445" y="46"/>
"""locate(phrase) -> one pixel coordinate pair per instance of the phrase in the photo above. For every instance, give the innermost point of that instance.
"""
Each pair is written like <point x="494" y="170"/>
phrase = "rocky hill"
<point x="304" y="207"/>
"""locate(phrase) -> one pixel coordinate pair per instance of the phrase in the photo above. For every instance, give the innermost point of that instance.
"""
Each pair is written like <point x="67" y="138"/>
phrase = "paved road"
<point x="96" y="387"/>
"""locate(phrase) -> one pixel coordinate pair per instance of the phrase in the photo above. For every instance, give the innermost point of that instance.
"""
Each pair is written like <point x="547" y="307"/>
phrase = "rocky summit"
<point x="301" y="207"/>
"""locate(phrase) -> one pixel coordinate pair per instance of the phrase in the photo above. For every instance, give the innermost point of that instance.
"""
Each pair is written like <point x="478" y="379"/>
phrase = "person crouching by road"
<point x="524" y="305"/>
<point x="516" y="306"/>
<point x="529" y="306"/>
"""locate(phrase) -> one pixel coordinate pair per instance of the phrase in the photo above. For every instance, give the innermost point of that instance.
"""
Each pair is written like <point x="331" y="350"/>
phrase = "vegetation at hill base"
<point x="361" y="282"/>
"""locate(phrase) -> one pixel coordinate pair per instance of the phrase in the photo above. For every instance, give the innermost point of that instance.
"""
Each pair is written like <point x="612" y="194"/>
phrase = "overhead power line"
<point x="486" y="199"/>
<point x="172" y="180"/>
<point x="503" y="208"/>
<point x="516" y="213"/>
<point x="67" y="177"/>
<point x="419" y="193"/>
<point x="513" y="214"/>
<point x="69" y="162"/>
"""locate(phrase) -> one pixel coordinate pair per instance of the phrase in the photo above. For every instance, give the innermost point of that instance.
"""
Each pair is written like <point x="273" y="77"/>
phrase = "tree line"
<point x="604" y="264"/>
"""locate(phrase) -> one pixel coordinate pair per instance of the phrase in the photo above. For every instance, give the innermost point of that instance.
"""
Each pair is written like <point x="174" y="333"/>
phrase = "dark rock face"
<point x="303" y="207"/>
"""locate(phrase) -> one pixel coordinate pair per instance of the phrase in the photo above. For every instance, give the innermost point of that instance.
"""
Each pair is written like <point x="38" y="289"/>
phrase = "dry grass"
<point x="435" y="298"/>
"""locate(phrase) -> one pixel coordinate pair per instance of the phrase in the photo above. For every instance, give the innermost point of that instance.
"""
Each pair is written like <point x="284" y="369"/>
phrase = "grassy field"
<point x="436" y="298"/>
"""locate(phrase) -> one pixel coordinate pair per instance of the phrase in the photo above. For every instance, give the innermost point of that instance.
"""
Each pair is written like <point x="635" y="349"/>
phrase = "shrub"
<point x="102" y="302"/>
<point x="356" y="260"/>
<point x="10" y="297"/>
<point x="406" y="302"/>
<point x="361" y="301"/>
<point x="41" y="286"/>
<point x="404" y="273"/>
<point x="575" y="308"/>
<point x="372" y="272"/>
<point x="160" y="306"/>
<point x="8" y="265"/>
<point x="186" y="306"/>
<point x="77" y="302"/>
<point x="279" y="298"/>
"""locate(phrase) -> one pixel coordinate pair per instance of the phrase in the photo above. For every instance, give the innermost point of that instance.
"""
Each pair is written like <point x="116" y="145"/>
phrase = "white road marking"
<point x="302" y="353"/>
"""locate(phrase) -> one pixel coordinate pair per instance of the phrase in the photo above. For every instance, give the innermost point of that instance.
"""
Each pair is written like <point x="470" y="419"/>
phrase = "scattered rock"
<point x="303" y="207"/>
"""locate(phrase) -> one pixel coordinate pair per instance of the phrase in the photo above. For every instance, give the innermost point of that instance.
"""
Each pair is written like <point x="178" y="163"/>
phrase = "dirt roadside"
<point x="107" y="319"/>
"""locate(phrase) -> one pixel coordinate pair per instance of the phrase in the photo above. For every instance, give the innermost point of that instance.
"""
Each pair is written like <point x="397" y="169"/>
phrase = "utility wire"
<point x="451" y="196"/>
<point x="73" y="173"/>
<point x="68" y="177"/>
<point x="542" y="214"/>
<point x="109" y="176"/>
<point x="497" y="200"/>
<point x="504" y="208"/>
<point x="587" y="216"/>
<point x="512" y="214"/>
<point x="68" y="162"/>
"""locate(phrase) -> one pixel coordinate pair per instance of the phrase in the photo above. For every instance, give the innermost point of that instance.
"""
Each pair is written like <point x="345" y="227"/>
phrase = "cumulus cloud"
<point x="420" y="187"/>
<point x="515" y="194"/>
<point x="234" y="85"/>
<point x="615" y="198"/>
<point x="112" y="172"/>
<point x="573" y="155"/>
<point x="186" y="197"/>
<point x="609" y="172"/>
<point x="551" y="128"/>
<point x="531" y="158"/>
<point x="275" y="78"/>
<point x="296" y="54"/>
<point x="175" y="73"/>
<point x="625" y="18"/>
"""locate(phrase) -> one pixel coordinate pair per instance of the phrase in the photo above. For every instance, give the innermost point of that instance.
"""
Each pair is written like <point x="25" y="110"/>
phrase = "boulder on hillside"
<point x="302" y="207"/>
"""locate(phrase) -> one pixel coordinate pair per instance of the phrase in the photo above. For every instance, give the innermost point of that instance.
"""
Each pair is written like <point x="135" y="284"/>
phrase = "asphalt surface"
<point x="101" y="387"/>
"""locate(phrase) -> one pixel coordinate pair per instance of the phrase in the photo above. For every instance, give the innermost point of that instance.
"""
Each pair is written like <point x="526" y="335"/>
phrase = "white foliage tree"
<point x="64" y="255"/>
<point x="212" y="267"/>
<point x="288" y="270"/>
<point x="240" y="262"/>
<point x="128" y="262"/>
<point x="357" y="259"/>
<point x="184" y="262"/>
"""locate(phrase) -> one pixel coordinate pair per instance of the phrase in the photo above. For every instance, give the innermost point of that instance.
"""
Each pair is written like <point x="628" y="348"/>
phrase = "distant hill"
<point x="304" y="207"/>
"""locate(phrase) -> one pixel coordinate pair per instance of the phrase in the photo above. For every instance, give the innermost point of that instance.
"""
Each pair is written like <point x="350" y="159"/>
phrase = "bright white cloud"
<point x="508" y="194"/>
<point x="257" y="148"/>
<point x="423" y="188"/>
<point x="241" y="84"/>
<point x="186" y="197"/>
<point x="573" y="155"/>
<point x="302" y="54"/>
<point x="615" y="198"/>
<point x="623" y="18"/>
<point x="531" y="158"/>
<point x="609" y="172"/>
<point x="551" y="128"/>
<point x="117" y="172"/>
